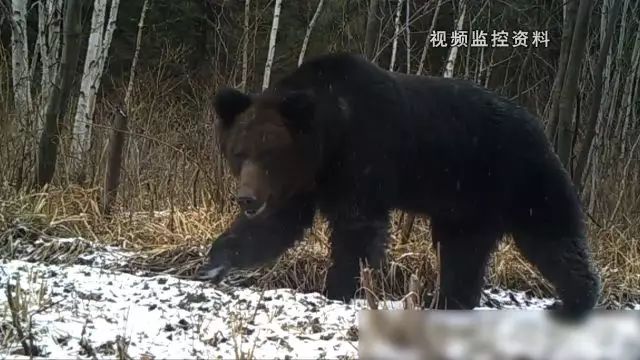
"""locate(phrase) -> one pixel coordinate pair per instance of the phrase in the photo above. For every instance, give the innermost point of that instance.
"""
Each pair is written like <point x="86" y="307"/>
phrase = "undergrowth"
<point x="175" y="242"/>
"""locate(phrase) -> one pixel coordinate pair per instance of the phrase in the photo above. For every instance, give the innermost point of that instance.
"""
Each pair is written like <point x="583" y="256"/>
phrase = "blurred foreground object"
<point x="398" y="334"/>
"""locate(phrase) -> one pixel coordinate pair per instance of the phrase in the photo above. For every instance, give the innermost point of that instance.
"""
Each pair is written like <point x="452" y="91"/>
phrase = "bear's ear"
<point x="229" y="103"/>
<point x="297" y="108"/>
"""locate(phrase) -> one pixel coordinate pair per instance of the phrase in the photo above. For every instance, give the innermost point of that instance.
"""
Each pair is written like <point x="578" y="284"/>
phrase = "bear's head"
<point x="270" y="144"/>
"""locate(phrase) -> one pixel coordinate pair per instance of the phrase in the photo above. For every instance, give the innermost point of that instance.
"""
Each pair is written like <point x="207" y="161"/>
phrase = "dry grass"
<point x="176" y="241"/>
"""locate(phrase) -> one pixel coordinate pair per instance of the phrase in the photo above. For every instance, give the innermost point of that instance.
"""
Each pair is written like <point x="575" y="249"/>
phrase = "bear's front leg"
<point x="352" y="241"/>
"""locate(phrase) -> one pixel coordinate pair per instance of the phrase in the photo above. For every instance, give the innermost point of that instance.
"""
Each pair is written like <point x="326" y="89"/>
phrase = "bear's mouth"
<point x="251" y="213"/>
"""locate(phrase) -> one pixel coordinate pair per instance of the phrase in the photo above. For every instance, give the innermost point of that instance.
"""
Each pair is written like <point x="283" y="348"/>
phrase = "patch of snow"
<point x="172" y="318"/>
<point x="166" y="317"/>
<point x="108" y="256"/>
<point x="500" y="299"/>
<point x="65" y="250"/>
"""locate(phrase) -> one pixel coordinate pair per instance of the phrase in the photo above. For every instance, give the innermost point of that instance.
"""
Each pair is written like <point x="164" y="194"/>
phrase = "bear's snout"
<point x="212" y="272"/>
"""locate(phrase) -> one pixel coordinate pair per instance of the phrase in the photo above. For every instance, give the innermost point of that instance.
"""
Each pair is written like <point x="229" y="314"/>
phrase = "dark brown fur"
<point x="345" y="137"/>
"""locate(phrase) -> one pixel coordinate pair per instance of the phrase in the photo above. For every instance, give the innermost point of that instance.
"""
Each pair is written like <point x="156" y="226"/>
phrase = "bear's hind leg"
<point x="353" y="241"/>
<point x="464" y="254"/>
<point x="566" y="263"/>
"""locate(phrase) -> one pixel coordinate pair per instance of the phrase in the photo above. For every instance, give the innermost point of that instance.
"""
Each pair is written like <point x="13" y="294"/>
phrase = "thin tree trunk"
<point x="453" y="53"/>
<point x="49" y="22"/>
<point x="488" y="69"/>
<point x="629" y="96"/>
<point x="245" y="45"/>
<point x="20" y="60"/>
<point x="408" y="35"/>
<point x="612" y="100"/>
<point x="312" y="23"/>
<point x="595" y="171"/>
<point x="619" y="83"/>
<point x="97" y="51"/>
<point x="272" y="44"/>
<point x="81" y="125"/>
<point x="57" y="106"/>
<point x="423" y="56"/>
<point x="596" y="97"/>
<point x="570" y="9"/>
<point x="566" y="106"/>
<point x="136" y="55"/>
<point x="371" y="32"/>
<point x="611" y="84"/>
<point x="114" y="163"/>
<point x="478" y="71"/>
<point x="396" y="35"/>
<point x="118" y="137"/>
<point x="35" y="59"/>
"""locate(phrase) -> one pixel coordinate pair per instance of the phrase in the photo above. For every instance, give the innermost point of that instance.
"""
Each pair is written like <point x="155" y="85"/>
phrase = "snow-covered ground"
<point x="84" y="311"/>
<point x="166" y="317"/>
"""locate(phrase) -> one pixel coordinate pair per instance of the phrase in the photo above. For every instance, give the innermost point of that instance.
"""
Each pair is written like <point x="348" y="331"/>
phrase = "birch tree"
<point x="20" y="59"/>
<point x="423" y="56"/>
<point x="245" y="45"/>
<point x="407" y="21"/>
<point x="97" y="51"/>
<point x="272" y="44"/>
<point x="453" y="53"/>
<point x="396" y="35"/>
<point x="310" y="27"/>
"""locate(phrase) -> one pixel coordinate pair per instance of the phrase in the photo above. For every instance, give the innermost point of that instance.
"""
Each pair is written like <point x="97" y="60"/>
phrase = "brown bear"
<point x="344" y="137"/>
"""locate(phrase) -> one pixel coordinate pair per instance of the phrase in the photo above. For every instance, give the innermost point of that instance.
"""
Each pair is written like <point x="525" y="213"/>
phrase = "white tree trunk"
<point x="396" y="34"/>
<point x="97" y="50"/>
<point x="245" y="45"/>
<point x="272" y="44"/>
<point x="312" y="23"/>
<point x="423" y="56"/>
<point x="408" y="35"/>
<point x="453" y="53"/>
<point x="49" y="39"/>
<point x="20" y="59"/>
